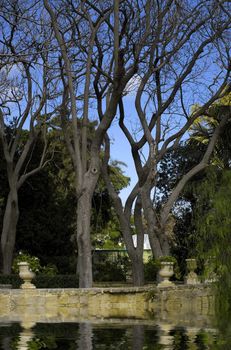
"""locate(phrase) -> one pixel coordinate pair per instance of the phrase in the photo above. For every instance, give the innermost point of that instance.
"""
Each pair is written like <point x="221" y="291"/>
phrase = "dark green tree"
<point x="47" y="204"/>
<point x="208" y="197"/>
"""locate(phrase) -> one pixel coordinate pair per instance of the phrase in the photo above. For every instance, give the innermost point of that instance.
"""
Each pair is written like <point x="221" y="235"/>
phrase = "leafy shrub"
<point x="33" y="261"/>
<point x="151" y="269"/>
<point x="108" y="272"/>
<point x="167" y="258"/>
<point x="50" y="270"/>
<point x="34" y="264"/>
<point x="111" y="269"/>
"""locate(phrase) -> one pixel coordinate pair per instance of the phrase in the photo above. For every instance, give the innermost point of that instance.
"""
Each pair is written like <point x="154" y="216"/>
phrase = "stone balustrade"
<point x="29" y="305"/>
<point x="46" y="305"/>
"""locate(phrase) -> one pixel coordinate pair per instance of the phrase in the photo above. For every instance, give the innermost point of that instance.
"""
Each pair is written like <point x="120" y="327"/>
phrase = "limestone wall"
<point x="183" y="303"/>
<point x="49" y="305"/>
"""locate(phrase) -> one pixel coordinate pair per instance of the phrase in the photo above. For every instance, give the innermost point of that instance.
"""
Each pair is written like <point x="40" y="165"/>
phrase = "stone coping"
<point x="113" y="290"/>
<point x="5" y="286"/>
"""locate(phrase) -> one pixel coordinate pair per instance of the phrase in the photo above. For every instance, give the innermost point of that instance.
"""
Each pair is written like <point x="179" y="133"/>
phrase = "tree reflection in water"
<point x="111" y="336"/>
<point x="85" y="337"/>
<point x="6" y="343"/>
<point x="137" y="337"/>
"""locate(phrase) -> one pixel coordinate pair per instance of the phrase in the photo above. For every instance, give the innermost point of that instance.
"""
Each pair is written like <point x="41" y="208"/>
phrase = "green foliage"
<point x="206" y="340"/>
<point x="208" y="234"/>
<point x="109" y="237"/>
<point x="42" y="343"/>
<point x="49" y="270"/>
<point x="195" y="200"/>
<point x="167" y="258"/>
<point x="213" y="223"/>
<point x="58" y="281"/>
<point x="180" y="338"/>
<point x="151" y="268"/>
<point x="105" y="226"/>
<point x="197" y="194"/>
<point x="185" y="238"/>
<point x="14" y="280"/>
<point x="173" y="166"/>
<point x="204" y="127"/>
<point x="47" y="203"/>
<point x="110" y="267"/>
<point x="118" y="179"/>
<point x="47" y="220"/>
<point x="34" y="264"/>
<point x="108" y="272"/>
<point x="33" y="261"/>
<point x="212" y="214"/>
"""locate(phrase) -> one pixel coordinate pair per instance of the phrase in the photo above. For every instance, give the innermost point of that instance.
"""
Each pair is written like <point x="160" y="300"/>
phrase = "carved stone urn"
<point x="191" y="277"/>
<point x="166" y="271"/>
<point x="26" y="275"/>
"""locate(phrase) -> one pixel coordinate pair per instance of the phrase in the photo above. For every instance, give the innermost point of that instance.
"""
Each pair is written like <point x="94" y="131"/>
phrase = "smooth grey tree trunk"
<point x="137" y="269"/>
<point x="10" y="221"/>
<point x="84" y="265"/>
<point x="83" y="236"/>
<point x="153" y="234"/>
<point x="135" y="254"/>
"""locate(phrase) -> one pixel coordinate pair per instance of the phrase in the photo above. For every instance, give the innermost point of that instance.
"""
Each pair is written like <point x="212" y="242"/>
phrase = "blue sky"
<point x="120" y="150"/>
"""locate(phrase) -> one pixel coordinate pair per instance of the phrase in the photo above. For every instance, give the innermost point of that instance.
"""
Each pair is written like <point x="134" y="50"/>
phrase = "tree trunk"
<point x="137" y="269"/>
<point x="153" y="234"/>
<point x="10" y="221"/>
<point x="165" y="244"/>
<point x="84" y="266"/>
<point x="135" y="253"/>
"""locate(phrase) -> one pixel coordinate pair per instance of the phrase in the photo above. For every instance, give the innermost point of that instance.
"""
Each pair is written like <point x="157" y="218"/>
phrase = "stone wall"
<point x="183" y="303"/>
<point x="74" y="305"/>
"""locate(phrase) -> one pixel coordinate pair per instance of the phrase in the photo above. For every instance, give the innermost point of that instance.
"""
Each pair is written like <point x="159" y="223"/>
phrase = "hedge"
<point x="13" y="280"/>
<point x="43" y="281"/>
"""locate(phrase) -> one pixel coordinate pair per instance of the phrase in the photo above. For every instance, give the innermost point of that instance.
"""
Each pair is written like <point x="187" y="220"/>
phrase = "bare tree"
<point x="188" y="61"/>
<point x="101" y="46"/>
<point x="24" y="93"/>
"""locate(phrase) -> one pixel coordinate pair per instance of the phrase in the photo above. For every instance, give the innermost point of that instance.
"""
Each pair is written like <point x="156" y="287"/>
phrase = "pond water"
<point x="111" y="335"/>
